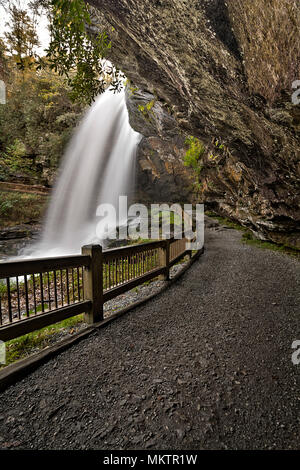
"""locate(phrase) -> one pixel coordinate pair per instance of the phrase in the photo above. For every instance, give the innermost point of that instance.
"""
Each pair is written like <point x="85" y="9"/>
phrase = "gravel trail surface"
<point x="205" y="365"/>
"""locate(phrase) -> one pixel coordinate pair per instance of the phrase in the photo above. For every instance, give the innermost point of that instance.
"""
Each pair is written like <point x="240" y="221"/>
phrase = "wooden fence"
<point x="39" y="292"/>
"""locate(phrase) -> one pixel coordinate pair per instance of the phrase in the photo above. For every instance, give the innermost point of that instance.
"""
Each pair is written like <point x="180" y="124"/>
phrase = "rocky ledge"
<point x="218" y="71"/>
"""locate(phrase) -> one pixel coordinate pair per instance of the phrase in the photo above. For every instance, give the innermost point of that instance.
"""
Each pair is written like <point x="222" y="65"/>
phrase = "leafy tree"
<point x="77" y="52"/>
<point x="39" y="116"/>
<point x="21" y="39"/>
<point x="3" y="60"/>
<point x="35" y="124"/>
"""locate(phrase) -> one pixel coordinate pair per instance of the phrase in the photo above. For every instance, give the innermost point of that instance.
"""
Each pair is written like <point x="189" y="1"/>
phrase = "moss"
<point x="249" y="239"/>
<point x="23" y="346"/>
<point x="225" y="221"/>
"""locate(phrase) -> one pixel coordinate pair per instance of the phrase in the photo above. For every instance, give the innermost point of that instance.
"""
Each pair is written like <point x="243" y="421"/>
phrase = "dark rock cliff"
<point x="161" y="175"/>
<point x="220" y="71"/>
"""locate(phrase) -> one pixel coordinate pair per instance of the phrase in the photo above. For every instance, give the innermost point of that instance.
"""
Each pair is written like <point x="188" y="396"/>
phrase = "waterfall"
<point x="98" y="167"/>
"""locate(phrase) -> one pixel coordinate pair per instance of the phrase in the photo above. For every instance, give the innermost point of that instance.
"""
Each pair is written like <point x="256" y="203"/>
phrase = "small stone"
<point x="180" y="433"/>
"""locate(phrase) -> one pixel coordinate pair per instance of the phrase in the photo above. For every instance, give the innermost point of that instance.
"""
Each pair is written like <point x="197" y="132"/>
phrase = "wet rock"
<point x="18" y="231"/>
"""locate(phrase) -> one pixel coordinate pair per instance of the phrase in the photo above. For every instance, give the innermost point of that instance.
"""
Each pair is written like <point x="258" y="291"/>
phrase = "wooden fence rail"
<point x="39" y="292"/>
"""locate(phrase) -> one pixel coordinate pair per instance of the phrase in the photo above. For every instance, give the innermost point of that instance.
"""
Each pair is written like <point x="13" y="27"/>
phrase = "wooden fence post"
<point x="93" y="283"/>
<point x="164" y="257"/>
<point x="167" y="277"/>
<point x="161" y="258"/>
<point x="190" y="252"/>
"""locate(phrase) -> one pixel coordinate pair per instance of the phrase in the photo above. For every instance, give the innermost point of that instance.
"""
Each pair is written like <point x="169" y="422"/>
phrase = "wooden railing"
<point x="39" y="292"/>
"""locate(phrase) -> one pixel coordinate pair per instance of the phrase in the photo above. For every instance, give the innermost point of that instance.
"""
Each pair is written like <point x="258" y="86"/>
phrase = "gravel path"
<point x="205" y="365"/>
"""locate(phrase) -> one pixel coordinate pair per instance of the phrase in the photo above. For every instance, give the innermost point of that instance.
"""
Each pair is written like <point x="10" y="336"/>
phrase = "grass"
<point x="21" y="208"/>
<point x="225" y="221"/>
<point x="138" y="241"/>
<point x="23" y="346"/>
<point x="249" y="239"/>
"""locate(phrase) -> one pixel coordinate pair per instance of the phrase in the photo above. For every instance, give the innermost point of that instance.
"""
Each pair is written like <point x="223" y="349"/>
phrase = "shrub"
<point x="194" y="153"/>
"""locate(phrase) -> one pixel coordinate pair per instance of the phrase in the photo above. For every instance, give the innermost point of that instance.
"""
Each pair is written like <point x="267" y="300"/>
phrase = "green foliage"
<point x="77" y="53"/>
<point x="23" y="346"/>
<point x="249" y="239"/>
<point x="132" y="90"/>
<point x="198" y="187"/>
<point x="193" y="159"/>
<point x="225" y="221"/>
<point x="15" y="156"/>
<point x="35" y="123"/>
<point x="194" y="153"/>
<point x="3" y="60"/>
<point x="19" y="208"/>
<point x="220" y="149"/>
<point x="147" y="109"/>
<point x="5" y="207"/>
<point x="40" y="113"/>
<point x="14" y="160"/>
<point x="219" y="145"/>
<point x="21" y="38"/>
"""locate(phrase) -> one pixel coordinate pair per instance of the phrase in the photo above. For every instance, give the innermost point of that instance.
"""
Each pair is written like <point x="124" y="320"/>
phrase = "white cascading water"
<point x="98" y="167"/>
